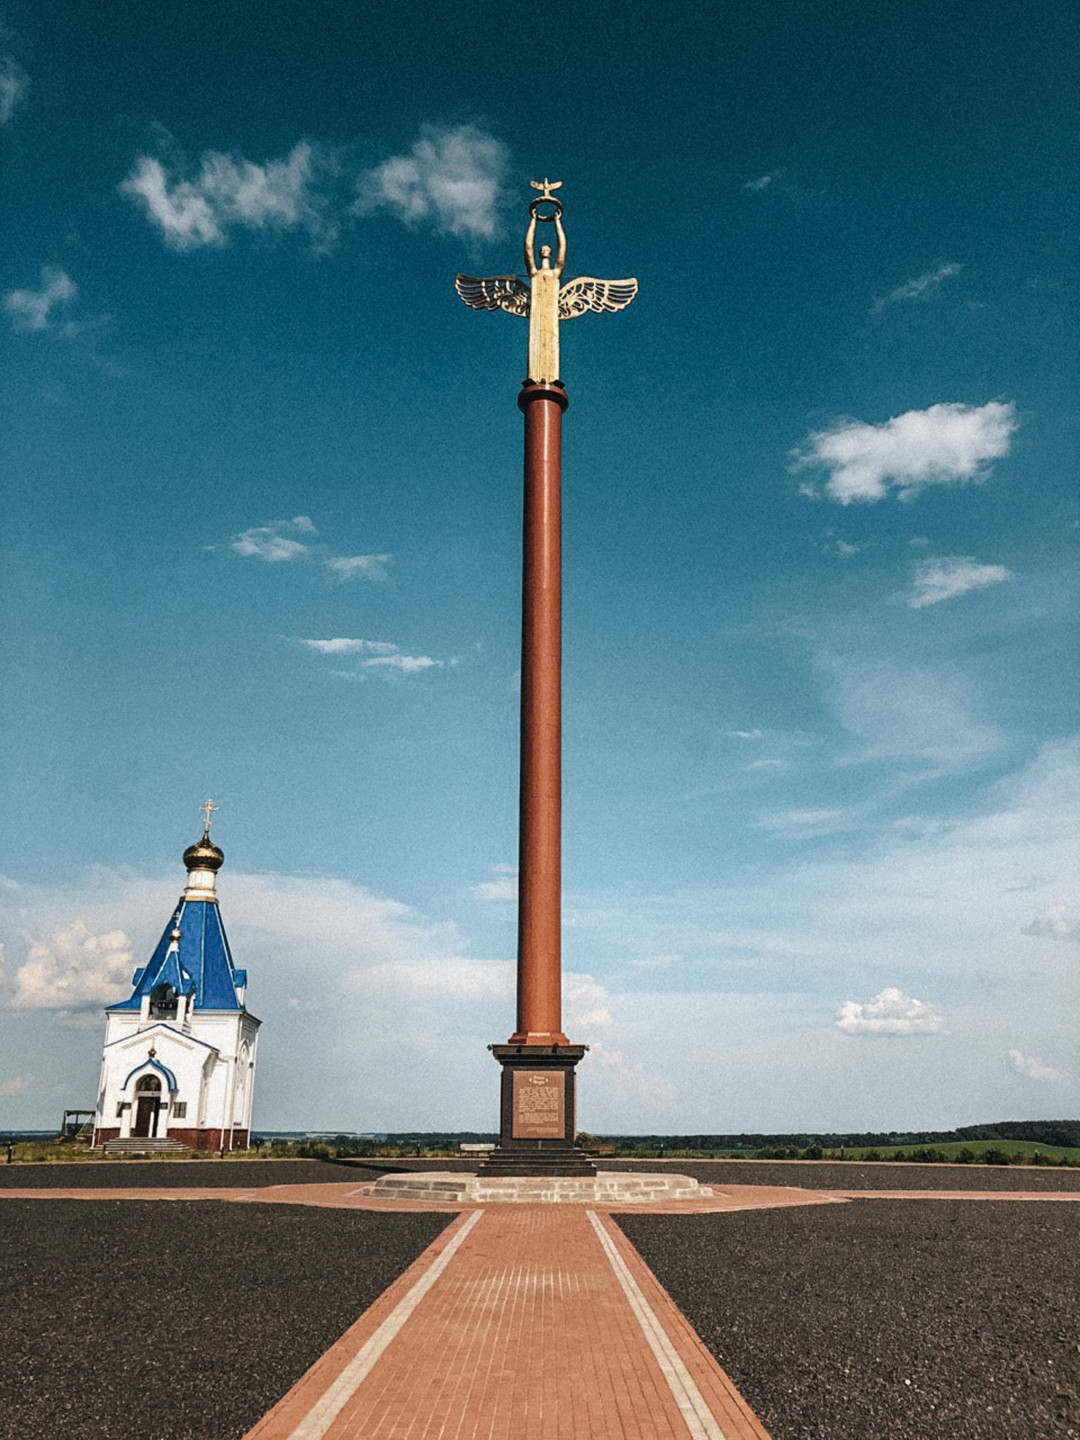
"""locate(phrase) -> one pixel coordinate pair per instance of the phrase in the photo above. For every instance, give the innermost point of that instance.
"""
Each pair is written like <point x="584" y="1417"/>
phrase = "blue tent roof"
<point x="201" y="965"/>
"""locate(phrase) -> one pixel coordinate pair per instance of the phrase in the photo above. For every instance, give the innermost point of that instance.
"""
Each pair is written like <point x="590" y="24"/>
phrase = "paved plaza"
<point x="544" y="1319"/>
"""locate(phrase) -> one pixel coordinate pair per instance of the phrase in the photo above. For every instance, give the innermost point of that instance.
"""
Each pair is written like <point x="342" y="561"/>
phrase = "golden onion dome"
<point x="204" y="855"/>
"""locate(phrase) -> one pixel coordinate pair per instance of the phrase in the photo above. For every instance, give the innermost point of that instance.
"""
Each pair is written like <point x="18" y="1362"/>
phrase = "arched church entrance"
<point x="147" y="1106"/>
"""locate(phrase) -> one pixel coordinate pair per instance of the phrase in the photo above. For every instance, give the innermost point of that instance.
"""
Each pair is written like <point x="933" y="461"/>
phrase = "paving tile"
<point x="528" y="1331"/>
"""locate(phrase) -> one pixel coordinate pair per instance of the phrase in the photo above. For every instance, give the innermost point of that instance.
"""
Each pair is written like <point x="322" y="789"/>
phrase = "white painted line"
<point x="331" y="1403"/>
<point x="700" y="1421"/>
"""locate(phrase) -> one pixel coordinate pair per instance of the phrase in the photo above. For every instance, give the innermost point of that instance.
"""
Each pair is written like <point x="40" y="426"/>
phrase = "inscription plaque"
<point x="539" y="1101"/>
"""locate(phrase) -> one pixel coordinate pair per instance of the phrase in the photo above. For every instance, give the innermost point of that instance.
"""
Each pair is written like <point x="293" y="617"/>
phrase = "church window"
<point x="163" y="1000"/>
<point x="179" y="1109"/>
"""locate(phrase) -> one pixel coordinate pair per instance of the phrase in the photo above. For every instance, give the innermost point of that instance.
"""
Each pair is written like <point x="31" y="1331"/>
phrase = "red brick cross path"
<point x="520" y="1320"/>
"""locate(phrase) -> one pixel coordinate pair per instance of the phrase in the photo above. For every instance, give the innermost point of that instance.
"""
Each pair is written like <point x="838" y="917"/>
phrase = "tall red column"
<point x="538" y="1106"/>
<point x="539" y="978"/>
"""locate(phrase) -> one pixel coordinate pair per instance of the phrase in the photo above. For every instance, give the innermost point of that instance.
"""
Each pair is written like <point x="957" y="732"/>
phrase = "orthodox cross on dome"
<point x="208" y="810"/>
<point x="541" y="297"/>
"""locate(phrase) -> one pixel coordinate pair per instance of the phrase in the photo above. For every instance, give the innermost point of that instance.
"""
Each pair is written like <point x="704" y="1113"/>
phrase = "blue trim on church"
<point x="170" y="1078"/>
<point x="202" y="964"/>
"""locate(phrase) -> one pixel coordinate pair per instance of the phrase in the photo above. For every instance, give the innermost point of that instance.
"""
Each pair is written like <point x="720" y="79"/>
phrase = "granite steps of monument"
<point x="611" y="1187"/>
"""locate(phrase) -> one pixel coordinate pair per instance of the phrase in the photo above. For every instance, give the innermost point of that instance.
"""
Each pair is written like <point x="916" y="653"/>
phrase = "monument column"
<point x="539" y="977"/>
<point x="537" y="1113"/>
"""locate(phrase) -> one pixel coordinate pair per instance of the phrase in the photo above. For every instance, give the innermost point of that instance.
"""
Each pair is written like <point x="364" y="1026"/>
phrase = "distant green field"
<point x="1050" y="1154"/>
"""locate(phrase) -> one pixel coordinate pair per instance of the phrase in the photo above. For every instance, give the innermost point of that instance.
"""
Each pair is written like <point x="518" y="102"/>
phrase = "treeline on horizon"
<point x="1060" y="1133"/>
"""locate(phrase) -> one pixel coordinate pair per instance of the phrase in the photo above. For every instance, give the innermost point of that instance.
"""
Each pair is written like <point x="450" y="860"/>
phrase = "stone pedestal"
<point x="537" y="1121"/>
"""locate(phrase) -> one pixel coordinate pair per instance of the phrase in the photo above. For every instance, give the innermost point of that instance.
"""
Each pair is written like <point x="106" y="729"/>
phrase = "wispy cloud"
<point x="297" y="539"/>
<point x="275" y="543"/>
<point x="451" y="178"/>
<point x="503" y="887"/>
<point x="745" y="734"/>
<point x="1033" y="1067"/>
<point x="345" y="645"/>
<point x="407" y="664"/>
<point x="369" y="567"/>
<point x="229" y="192"/>
<point x="907" y="711"/>
<point x="17" y="1085"/>
<point x="32" y="309"/>
<point x="14" y="84"/>
<point x="378" y="655"/>
<point x="946" y="576"/>
<point x="761" y="183"/>
<point x="890" y="1013"/>
<point x="920" y="288"/>
<point x="804" y="824"/>
<point x="941" y="445"/>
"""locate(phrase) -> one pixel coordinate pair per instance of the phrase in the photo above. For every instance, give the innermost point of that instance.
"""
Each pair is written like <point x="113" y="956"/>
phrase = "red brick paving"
<point x="529" y="1333"/>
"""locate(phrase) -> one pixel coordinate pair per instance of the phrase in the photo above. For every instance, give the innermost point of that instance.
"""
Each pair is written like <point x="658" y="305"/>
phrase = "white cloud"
<point x="1033" y="1067"/>
<point x="587" y="1005"/>
<point x="348" y="567"/>
<point x="407" y="664"/>
<point x="14" y="83"/>
<point x="1054" y="924"/>
<point x="920" y="287"/>
<point x="31" y="309"/>
<point x="945" y="577"/>
<point x="745" y="734"/>
<point x="941" y="445"/>
<point x="345" y="645"/>
<point x="74" y="971"/>
<point x="503" y="887"/>
<point x="457" y="979"/>
<point x="276" y="542"/>
<point x="228" y="192"/>
<point x="761" y="183"/>
<point x="17" y="1085"/>
<point x="890" y="1013"/>
<point x="380" y="655"/>
<point x="907" y="711"/>
<point x="451" y="178"/>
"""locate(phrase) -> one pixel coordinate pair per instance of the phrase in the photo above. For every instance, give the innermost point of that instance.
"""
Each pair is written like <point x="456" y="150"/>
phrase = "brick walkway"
<point x="530" y="1321"/>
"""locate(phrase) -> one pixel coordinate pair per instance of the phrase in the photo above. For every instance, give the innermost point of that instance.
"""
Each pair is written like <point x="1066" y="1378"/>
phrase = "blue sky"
<point x="262" y="542"/>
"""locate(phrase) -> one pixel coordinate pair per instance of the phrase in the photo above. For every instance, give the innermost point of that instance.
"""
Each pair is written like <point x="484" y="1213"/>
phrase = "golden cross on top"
<point x="208" y="810"/>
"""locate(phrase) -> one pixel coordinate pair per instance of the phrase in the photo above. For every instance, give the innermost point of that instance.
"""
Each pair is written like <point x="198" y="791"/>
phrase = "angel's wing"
<point x="494" y="292"/>
<point x="586" y="293"/>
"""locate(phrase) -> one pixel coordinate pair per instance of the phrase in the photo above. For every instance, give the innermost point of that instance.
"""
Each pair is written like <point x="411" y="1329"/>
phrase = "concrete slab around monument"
<point x="608" y="1188"/>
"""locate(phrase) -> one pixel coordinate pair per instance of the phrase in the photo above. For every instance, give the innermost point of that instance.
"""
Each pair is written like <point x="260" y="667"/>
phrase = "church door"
<point x="147" y="1105"/>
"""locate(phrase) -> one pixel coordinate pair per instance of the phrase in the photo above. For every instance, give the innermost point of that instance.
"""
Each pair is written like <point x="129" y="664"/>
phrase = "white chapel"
<point x="179" y="1061"/>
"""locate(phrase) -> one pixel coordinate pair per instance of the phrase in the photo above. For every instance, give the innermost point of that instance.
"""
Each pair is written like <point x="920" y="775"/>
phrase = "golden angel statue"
<point x="541" y="297"/>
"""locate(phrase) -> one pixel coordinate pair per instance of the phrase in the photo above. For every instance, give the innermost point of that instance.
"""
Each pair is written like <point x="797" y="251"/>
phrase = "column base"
<point x="537" y="1121"/>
